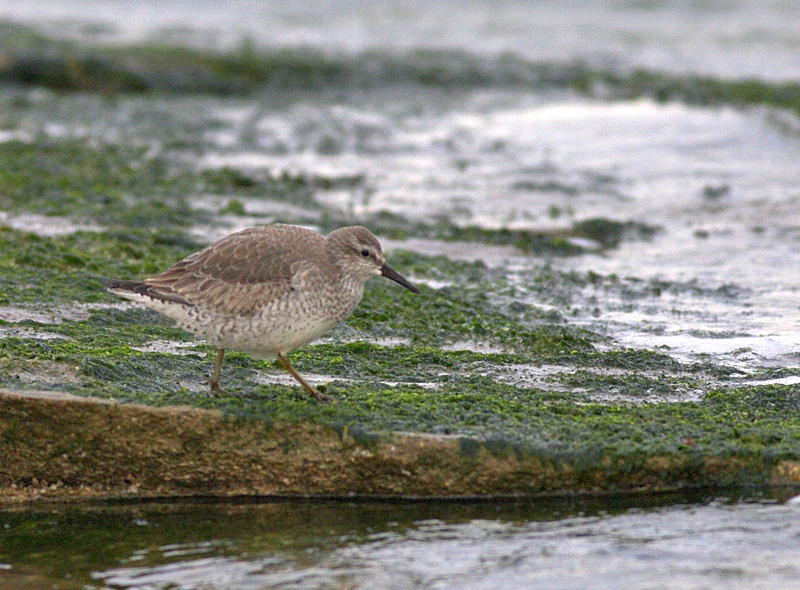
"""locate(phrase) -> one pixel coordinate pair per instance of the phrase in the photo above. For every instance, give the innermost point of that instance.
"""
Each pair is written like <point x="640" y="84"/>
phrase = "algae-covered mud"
<point x="606" y="247"/>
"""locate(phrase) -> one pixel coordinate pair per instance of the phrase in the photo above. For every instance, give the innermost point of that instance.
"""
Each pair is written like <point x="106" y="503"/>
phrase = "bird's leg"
<point x="288" y="366"/>
<point x="214" y="383"/>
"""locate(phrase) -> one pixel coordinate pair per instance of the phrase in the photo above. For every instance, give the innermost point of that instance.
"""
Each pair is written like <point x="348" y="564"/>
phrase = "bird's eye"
<point x="365" y="253"/>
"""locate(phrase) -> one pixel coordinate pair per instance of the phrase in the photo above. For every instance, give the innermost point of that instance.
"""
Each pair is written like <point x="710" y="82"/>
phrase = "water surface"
<point x="671" y="541"/>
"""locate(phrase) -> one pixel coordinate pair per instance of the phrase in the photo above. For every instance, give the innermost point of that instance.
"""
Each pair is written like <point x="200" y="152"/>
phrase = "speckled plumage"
<point x="266" y="290"/>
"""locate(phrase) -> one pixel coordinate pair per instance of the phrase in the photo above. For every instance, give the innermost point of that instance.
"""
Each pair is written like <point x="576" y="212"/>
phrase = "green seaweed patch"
<point x="32" y="59"/>
<point x="233" y="207"/>
<point x="770" y="373"/>
<point x="107" y="184"/>
<point x="706" y="90"/>
<point x="534" y="421"/>
<point x="606" y="233"/>
<point x="116" y="185"/>
<point x="450" y="315"/>
<point x="439" y="391"/>
<point x="631" y="385"/>
<point x="633" y="359"/>
<point x="460" y="396"/>
<point x="74" y="268"/>
<point x="67" y="66"/>
<point x="359" y="360"/>
<point x="297" y="188"/>
<point x="102" y="367"/>
<point x="609" y="233"/>
<point x="472" y="274"/>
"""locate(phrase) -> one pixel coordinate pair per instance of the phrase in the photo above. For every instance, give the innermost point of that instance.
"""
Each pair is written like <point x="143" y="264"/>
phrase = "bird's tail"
<point x="136" y="290"/>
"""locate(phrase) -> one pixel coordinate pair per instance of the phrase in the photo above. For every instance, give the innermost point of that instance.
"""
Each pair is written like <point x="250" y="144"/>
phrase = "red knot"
<point x="266" y="290"/>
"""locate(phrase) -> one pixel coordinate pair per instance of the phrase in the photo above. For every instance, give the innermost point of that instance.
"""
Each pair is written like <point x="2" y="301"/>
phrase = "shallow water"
<point x="671" y="541"/>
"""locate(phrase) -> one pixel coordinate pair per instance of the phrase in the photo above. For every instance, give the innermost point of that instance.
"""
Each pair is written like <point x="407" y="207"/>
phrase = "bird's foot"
<point x="321" y="397"/>
<point x="215" y="389"/>
<point x="318" y="395"/>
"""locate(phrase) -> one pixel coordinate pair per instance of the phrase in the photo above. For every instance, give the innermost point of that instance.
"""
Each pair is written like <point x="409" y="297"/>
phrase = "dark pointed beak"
<point x="391" y="273"/>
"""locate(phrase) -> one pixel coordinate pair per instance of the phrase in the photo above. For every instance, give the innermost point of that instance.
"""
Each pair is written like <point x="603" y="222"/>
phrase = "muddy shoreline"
<point x="59" y="447"/>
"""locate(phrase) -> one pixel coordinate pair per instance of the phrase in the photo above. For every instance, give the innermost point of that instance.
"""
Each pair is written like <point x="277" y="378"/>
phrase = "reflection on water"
<point x="672" y="541"/>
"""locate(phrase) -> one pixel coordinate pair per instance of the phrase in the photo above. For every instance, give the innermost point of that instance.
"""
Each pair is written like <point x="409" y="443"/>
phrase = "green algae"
<point x="32" y="59"/>
<point x="119" y="185"/>
<point x="441" y="391"/>
<point x="631" y="385"/>
<point x="705" y="90"/>
<point x="606" y="233"/>
<point x="114" y="185"/>
<point x="102" y="184"/>
<point x="466" y="397"/>
<point x="100" y="348"/>
<point x="74" y="268"/>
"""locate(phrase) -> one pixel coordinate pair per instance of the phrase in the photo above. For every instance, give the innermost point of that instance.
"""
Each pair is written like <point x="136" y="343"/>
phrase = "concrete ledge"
<point x="62" y="447"/>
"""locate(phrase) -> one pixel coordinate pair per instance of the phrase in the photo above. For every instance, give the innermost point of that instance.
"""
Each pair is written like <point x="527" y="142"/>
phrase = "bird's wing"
<point x="244" y="271"/>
